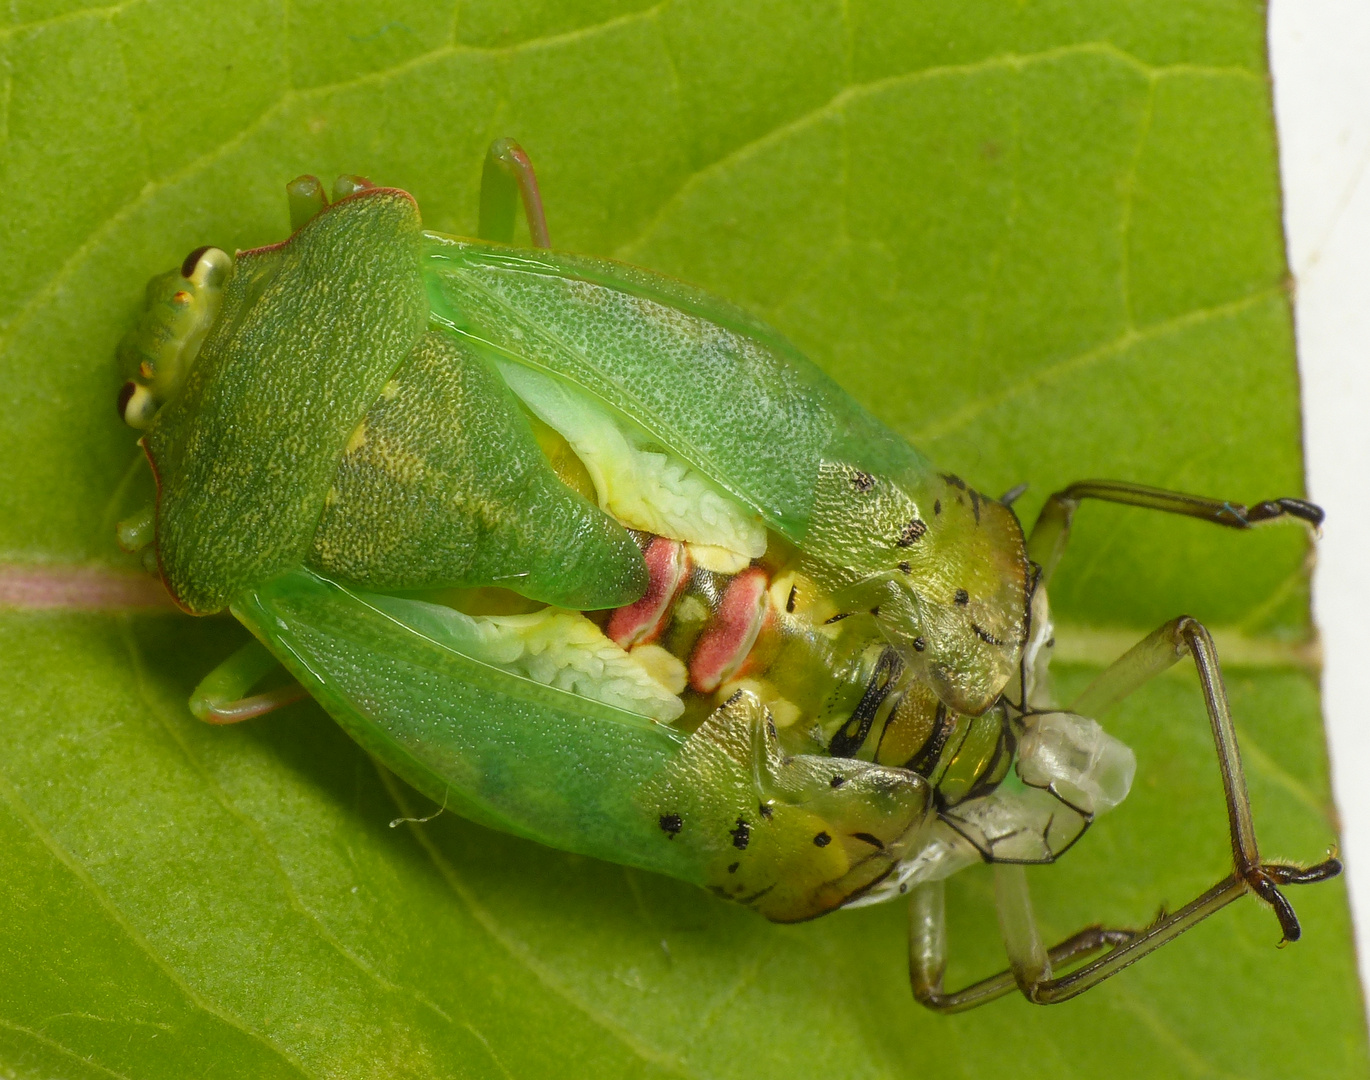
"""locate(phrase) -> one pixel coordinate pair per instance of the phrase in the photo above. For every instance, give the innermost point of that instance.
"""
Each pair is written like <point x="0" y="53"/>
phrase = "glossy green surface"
<point x="705" y="380"/>
<point x="501" y="750"/>
<point x="1041" y="240"/>
<point x="724" y="808"/>
<point x="728" y="395"/>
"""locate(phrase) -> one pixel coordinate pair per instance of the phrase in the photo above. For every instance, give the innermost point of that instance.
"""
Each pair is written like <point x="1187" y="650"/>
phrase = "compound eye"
<point x="207" y="267"/>
<point x="136" y="405"/>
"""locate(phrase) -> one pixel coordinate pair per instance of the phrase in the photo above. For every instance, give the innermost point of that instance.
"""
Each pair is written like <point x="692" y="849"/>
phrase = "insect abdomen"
<point x="831" y="682"/>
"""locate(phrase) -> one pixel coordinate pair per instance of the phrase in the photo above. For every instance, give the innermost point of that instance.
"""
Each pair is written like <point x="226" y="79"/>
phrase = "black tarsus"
<point x="1275" y="508"/>
<point x="1300" y="875"/>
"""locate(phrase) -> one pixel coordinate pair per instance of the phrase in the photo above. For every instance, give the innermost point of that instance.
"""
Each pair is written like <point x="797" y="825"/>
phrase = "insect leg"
<point x="508" y="176"/>
<point x="1047" y="543"/>
<point x="306" y="198"/>
<point x="219" y="699"/>
<point x="1150" y="657"/>
<point x="928" y="948"/>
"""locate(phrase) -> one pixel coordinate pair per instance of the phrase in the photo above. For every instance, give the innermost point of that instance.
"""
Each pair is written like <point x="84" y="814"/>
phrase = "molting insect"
<point x="594" y="558"/>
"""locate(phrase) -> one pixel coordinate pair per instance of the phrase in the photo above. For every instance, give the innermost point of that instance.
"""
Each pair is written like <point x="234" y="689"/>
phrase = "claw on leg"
<point x="1030" y="966"/>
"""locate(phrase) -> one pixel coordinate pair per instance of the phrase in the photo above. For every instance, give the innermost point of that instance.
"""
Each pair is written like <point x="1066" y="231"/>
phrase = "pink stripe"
<point x="79" y="588"/>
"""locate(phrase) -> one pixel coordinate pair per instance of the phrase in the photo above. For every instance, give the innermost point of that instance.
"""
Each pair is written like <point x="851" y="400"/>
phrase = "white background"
<point x="1320" y="55"/>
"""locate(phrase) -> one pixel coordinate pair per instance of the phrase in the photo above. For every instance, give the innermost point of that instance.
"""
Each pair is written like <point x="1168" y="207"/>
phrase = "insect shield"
<point x="595" y="558"/>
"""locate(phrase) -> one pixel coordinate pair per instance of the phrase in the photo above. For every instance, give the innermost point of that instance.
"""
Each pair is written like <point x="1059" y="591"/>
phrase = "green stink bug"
<point x="594" y="558"/>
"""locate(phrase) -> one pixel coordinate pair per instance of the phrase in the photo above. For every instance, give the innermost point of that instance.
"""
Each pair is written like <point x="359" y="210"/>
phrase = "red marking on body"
<point x="725" y="643"/>
<point x="668" y="568"/>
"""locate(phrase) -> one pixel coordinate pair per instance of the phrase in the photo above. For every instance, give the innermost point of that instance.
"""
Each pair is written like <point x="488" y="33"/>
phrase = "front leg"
<point x="1051" y="533"/>
<point x="222" y="695"/>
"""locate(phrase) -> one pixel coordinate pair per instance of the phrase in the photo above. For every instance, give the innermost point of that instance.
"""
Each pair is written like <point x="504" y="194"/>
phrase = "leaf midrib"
<point x="29" y="587"/>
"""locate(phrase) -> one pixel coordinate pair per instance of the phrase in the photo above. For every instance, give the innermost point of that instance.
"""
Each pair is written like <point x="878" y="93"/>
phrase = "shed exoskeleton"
<point x="589" y="556"/>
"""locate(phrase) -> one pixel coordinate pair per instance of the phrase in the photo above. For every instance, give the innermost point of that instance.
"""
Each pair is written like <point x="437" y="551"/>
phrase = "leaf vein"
<point x="1164" y="1034"/>
<point x="53" y="1044"/>
<point x="73" y="866"/>
<point x="109" y="11"/>
<point x="516" y="951"/>
<point x="859" y="91"/>
<point x="1255" y="757"/>
<point x="748" y="975"/>
<point x="963" y="416"/>
<point x="58" y="277"/>
<point x="296" y="902"/>
<point x="50" y="287"/>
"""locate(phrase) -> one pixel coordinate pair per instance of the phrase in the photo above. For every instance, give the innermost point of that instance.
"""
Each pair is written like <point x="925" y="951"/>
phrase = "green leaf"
<point x="1042" y="240"/>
